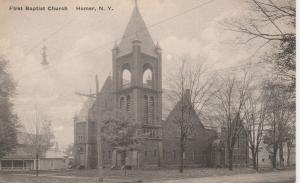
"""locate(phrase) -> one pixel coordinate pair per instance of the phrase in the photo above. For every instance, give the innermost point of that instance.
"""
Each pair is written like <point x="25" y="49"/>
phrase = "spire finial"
<point x="135" y="3"/>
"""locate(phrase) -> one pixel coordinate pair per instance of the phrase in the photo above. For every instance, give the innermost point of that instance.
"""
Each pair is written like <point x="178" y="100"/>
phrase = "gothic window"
<point x="237" y="143"/>
<point x="128" y="104"/>
<point x="126" y="77"/>
<point x="122" y="103"/>
<point x="147" y="76"/>
<point x="146" y="120"/>
<point x="147" y="79"/>
<point x="151" y="109"/>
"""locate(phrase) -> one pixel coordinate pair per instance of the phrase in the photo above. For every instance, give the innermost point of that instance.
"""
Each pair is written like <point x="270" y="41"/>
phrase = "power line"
<point x="148" y="27"/>
<point x="126" y="37"/>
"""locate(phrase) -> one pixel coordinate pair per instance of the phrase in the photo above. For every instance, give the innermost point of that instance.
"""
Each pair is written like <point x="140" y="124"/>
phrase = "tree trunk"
<point x="37" y="164"/>
<point x="257" y="160"/>
<point x="124" y="154"/>
<point x="274" y="158"/>
<point x="100" y="160"/>
<point x="281" y="158"/>
<point x="181" y="155"/>
<point x="230" y="158"/>
<point x="288" y="154"/>
<point x="254" y="159"/>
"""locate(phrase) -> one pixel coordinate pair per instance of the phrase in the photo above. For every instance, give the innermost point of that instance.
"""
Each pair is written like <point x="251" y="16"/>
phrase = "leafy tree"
<point x="69" y="150"/>
<point x="121" y="133"/>
<point x="8" y="120"/>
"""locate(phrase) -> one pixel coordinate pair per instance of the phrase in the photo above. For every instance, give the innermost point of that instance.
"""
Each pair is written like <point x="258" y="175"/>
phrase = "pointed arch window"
<point x="126" y="76"/>
<point x="151" y="109"/>
<point x="128" y="103"/>
<point x="146" y="120"/>
<point x="148" y="76"/>
<point x="122" y="103"/>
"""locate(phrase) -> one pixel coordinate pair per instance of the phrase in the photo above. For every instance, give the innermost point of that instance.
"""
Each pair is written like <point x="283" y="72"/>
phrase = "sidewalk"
<point x="278" y="177"/>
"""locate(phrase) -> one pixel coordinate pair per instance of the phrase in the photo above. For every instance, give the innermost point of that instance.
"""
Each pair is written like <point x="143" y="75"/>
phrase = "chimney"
<point x="188" y="93"/>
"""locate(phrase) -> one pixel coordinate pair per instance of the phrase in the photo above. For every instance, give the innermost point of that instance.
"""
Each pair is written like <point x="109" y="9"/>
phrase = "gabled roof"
<point x="137" y="30"/>
<point x="83" y="113"/>
<point x="185" y="103"/>
<point x="106" y="88"/>
<point x="54" y="154"/>
<point x="104" y="100"/>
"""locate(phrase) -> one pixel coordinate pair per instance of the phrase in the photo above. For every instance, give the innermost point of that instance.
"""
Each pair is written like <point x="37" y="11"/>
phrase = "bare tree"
<point x="40" y="136"/>
<point x="255" y="113"/>
<point x="280" y="114"/>
<point x="272" y="22"/>
<point x="231" y="101"/>
<point x="191" y="89"/>
<point x="290" y="138"/>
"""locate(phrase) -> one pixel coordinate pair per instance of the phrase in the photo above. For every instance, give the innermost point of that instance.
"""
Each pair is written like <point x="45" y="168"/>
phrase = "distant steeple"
<point x="136" y="30"/>
<point x="44" y="55"/>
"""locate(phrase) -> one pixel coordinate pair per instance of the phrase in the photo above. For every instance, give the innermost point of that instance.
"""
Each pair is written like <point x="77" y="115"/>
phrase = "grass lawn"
<point x="158" y="174"/>
<point x="118" y="175"/>
<point x="9" y="178"/>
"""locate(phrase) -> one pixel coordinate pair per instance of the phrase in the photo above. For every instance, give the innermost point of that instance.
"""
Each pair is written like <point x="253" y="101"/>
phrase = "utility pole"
<point x="100" y="162"/>
<point x="98" y="125"/>
<point x="99" y="139"/>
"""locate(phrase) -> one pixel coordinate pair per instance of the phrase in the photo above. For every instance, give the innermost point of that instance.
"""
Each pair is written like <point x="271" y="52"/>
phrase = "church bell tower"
<point x="137" y="82"/>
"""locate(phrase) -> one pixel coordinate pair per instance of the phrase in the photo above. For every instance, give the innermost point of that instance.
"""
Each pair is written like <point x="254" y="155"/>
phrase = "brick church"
<point x="140" y="97"/>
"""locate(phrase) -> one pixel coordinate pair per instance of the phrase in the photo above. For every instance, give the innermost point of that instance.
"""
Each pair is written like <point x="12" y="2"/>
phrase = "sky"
<point x="79" y="47"/>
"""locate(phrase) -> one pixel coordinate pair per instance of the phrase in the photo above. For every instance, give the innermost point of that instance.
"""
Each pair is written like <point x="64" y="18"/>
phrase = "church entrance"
<point x="130" y="159"/>
<point x="82" y="160"/>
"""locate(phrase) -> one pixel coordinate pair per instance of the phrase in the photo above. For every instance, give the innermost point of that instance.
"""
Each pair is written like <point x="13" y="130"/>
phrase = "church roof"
<point x="83" y="113"/>
<point x="104" y="100"/>
<point x="136" y="30"/>
<point x="107" y="87"/>
<point x="184" y="103"/>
